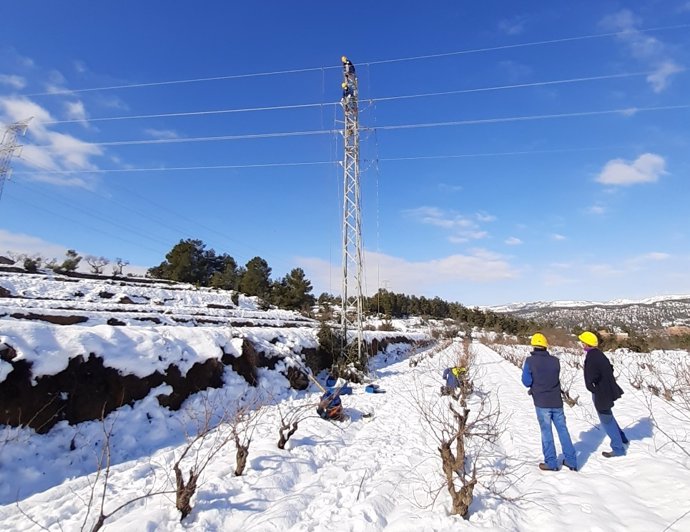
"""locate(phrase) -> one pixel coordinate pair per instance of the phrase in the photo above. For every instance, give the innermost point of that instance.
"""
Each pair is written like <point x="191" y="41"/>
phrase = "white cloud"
<point x="483" y="217"/>
<point x="56" y="83"/>
<point x="604" y="270"/>
<point x="162" y="133"/>
<point x="659" y="79"/>
<point x="596" y="209"/>
<point x="516" y="71"/>
<point x="462" y="228"/>
<point x="640" y="261"/>
<point x="16" y="82"/>
<point x="22" y="243"/>
<point x="410" y="277"/>
<point x="647" y="168"/>
<point x="50" y="150"/>
<point x="445" y="187"/>
<point x="513" y="241"/>
<point x="630" y="111"/>
<point x="557" y="279"/>
<point x="32" y="245"/>
<point x="558" y="237"/>
<point x="80" y="67"/>
<point x="75" y="111"/>
<point x="643" y="47"/>
<point x="512" y="26"/>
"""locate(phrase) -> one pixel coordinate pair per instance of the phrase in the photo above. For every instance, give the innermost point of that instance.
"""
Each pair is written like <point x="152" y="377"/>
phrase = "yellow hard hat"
<point x="539" y="340"/>
<point x="343" y="59"/>
<point x="343" y="85"/>
<point x="589" y="338"/>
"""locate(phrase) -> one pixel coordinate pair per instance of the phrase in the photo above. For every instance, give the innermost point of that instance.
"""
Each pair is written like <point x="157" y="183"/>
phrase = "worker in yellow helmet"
<point x="453" y="377"/>
<point x="347" y="91"/>
<point x="348" y="67"/>
<point x="541" y="374"/>
<point x="599" y="380"/>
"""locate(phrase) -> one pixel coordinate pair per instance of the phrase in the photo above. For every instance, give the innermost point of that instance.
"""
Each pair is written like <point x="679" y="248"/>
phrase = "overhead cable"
<point x="628" y="111"/>
<point x="375" y="160"/>
<point x="376" y="62"/>
<point x="369" y="100"/>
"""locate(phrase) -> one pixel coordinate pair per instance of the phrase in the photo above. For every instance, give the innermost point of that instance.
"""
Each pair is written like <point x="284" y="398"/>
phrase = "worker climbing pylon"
<point x="348" y="67"/>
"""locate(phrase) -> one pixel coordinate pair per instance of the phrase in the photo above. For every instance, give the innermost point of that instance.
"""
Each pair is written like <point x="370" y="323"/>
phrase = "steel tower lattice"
<point x="9" y="147"/>
<point x="351" y="319"/>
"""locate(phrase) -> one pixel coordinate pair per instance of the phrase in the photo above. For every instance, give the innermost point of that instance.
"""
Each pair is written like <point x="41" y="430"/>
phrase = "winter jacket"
<point x="451" y="379"/>
<point x="541" y="374"/>
<point x="600" y="381"/>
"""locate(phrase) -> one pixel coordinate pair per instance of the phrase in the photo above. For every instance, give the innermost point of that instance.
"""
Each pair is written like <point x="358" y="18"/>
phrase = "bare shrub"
<point x="212" y="432"/>
<point x="97" y="264"/>
<point x="466" y="427"/>
<point x="571" y="369"/>
<point x="290" y="418"/>
<point x="119" y="265"/>
<point x="243" y="425"/>
<point x="427" y="353"/>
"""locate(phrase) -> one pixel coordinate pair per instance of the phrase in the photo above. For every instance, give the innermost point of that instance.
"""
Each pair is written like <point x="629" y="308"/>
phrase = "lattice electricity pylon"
<point x="9" y="147"/>
<point x="352" y="221"/>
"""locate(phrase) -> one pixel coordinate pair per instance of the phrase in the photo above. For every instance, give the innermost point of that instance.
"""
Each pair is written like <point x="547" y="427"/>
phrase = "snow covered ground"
<point x="364" y="474"/>
<point x="358" y="475"/>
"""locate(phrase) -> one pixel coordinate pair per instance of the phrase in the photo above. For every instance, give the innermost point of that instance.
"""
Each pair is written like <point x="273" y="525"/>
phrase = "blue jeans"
<point x="613" y="431"/>
<point x="547" y="416"/>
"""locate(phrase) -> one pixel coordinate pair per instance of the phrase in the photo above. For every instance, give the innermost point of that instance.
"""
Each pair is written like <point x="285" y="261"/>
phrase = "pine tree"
<point x="256" y="278"/>
<point x="226" y="275"/>
<point x="293" y="291"/>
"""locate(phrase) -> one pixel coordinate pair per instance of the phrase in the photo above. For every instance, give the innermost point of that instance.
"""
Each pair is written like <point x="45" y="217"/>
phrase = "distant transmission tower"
<point x="9" y="147"/>
<point x="352" y="221"/>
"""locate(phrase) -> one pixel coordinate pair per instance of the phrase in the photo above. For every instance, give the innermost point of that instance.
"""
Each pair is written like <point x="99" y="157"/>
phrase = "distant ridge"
<point x="652" y="313"/>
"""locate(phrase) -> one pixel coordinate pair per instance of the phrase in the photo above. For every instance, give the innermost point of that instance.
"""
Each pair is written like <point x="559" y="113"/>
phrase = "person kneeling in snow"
<point x="453" y="376"/>
<point x="330" y="406"/>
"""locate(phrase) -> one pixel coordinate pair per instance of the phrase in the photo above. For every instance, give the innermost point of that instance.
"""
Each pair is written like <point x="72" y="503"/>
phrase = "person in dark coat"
<point x="541" y="374"/>
<point x="348" y="67"/>
<point x="600" y="381"/>
<point x="347" y="91"/>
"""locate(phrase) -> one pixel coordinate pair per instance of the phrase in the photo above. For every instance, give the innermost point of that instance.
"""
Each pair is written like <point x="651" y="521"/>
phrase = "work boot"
<point x="609" y="454"/>
<point x="544" y="467"/>
<point x="572" y="468"/>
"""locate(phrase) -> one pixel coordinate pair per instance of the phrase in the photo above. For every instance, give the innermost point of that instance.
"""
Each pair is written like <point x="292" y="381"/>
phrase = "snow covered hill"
<point x="654" y="313"/>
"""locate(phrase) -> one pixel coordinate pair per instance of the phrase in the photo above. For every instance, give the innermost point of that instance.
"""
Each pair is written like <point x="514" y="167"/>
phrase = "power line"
<point x="193" y="113"/>
<point x="81" y="225"/>
<point x="175" y="168"/>
<point x="368" y="63"/>
<point x="92" y="214"/>
<point x="213" y="139"/>
<point x="369" y="100"/>
<point x="334" y="163"/>
<point x="165" y="223"/>
<point x="528" y="44"/>
<point x="507" y="87"/>
<point x="622" y="111"/>
<point x="633" y="110"/>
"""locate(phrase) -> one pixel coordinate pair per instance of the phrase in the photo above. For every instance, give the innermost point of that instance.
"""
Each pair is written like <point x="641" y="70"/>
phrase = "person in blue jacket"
<point x="330" y="406"/>
<point x="599" y="380"/>
<point x="452" y="376"/>
<point x="541" y="374"/>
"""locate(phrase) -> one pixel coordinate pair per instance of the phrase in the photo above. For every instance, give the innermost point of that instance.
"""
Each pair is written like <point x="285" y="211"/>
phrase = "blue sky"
<point x="554" y="165"/>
